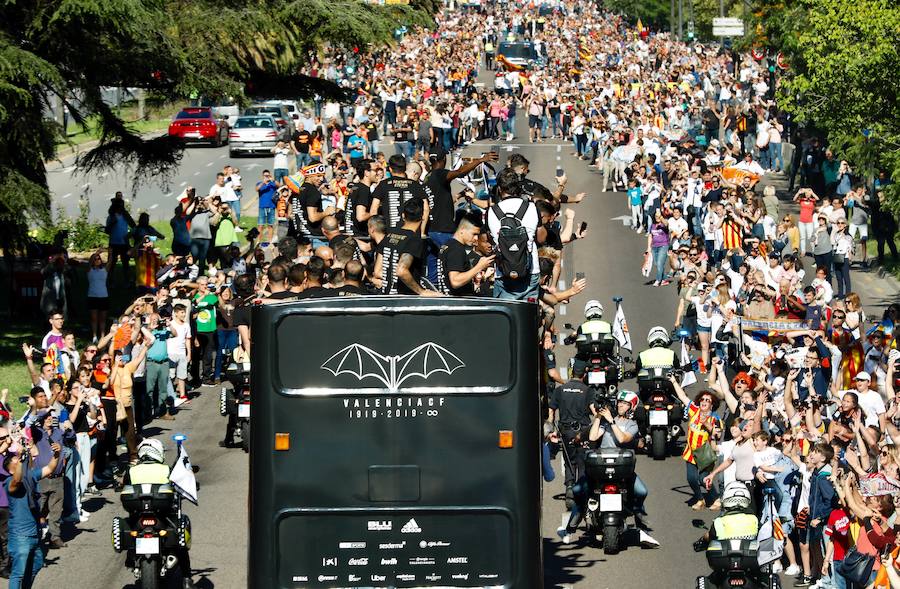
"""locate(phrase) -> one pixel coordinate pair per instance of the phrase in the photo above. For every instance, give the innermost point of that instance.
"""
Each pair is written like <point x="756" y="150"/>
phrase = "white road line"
<point x="221" y="157"/>
<point x="561" y="285"/>
<point x="104" y="174"/>
<point x="66" y="195"/>
<point x="183" y="184"/>
<point x="562" y="310"/>
<point x="168" y="194"/>
<point x="209" y="164"/>
<point x="196" y="173"/>
<point x="558" y="148"/>
<point x="86" y="185"/>
<point x="153" y="206"/>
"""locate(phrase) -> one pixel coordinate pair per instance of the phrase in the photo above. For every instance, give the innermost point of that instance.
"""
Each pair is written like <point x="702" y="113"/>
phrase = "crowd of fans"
<point x="800" y="391"/>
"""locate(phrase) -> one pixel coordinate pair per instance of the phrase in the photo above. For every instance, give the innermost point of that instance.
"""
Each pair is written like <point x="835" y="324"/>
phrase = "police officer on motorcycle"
<point x="152" y="469"/>
<point x="658" y="354"/>
<point x="570" y="408"/>
<point x="592" y="329"/>
<point x="737" y="523"/>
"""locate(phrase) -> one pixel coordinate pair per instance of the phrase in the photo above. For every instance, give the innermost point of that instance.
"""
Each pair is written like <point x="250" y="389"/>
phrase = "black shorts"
<point x="98" y="303"/>
<point x="534" y="121"/>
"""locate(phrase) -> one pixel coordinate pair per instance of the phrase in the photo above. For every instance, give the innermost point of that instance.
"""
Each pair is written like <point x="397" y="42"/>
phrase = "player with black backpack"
<point x="512" y="223"/>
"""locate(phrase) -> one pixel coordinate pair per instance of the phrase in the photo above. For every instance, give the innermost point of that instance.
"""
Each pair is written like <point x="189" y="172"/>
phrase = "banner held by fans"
<point x="689" y="377"/>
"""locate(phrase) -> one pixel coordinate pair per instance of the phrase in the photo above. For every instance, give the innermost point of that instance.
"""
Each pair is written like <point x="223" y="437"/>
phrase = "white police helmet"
<point x="658" y="336"/>
<point x="736" y="496"/>
<point x="593" y="309"/>
<point x="152" y="449"/>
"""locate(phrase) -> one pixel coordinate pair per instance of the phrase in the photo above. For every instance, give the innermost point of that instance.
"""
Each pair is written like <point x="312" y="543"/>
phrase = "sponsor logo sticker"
<point x="458" y="560"/>
<point x="411" y="527"/>
<point x="351" y="545"/>
<point x="433" y="544"/>
<point x="392" y="545"/>
<point x="388" y="561"/>
<point x="380" y="526"/>
<point x="358" y="562"/>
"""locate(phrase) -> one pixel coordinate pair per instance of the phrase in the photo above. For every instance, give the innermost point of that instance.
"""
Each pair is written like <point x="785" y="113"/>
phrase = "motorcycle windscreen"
<point x="414" y="548"/>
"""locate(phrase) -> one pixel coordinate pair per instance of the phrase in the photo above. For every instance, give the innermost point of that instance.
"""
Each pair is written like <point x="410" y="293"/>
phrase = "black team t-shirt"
<point x="393" y="194"/>
<point x="453" y="258"/>
<point x="396" y="242"/>
<point x="309" y="196"/>
<point x="441" y="201"/>
<point x="359" y="194"/>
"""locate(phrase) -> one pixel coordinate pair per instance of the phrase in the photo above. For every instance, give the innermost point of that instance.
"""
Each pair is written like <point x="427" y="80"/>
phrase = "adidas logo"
<point x="513" y="248"/>
<point x="411" y="527"/>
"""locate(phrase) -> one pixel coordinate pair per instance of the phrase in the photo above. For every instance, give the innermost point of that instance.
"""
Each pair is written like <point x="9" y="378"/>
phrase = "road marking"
<point x="558" y="148"/>
<point x="561" y="284"/>
<point x="153" y="206"/>
<point x="196" y="173"/>
<point x="562" y="310"/>
<point x="67" y="195"/>
<point x="209" y="164"/>
<point x="510" y="147"/>
<point x="86" y="185"/>
<point x="625" y="219"/>
<point x="104" y="174"/>
<point x="168" y="194"/>
<point x="251" y="166"/>
<point x="183" y="184"/>
<point x="221" y="157"/>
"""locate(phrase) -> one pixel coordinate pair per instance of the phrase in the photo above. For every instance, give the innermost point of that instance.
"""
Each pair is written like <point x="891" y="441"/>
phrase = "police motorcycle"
<point x="660" y="419"/>
<point x="732" y="549"/>
<point x="234" y="400"/>
<point x="598" y="350"/>
<point x="156" y="534"/>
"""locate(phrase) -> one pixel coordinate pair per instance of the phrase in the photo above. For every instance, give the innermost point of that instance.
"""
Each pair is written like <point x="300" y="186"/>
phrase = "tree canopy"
<point x="844" y="75"/>
<point x="70" y="49"/>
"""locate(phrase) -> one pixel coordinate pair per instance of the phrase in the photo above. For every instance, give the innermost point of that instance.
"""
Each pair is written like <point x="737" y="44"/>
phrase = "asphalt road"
<point x="610" y="256"/>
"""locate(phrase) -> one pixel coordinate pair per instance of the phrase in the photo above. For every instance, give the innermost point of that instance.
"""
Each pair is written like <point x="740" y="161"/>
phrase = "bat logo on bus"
<point x="393" y="371"/>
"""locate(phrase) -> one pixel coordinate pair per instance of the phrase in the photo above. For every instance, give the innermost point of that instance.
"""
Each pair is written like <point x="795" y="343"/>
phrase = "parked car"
<point x="253" y="134"/>
<point x="198" y="123"/>
<point x="278" y="112"/>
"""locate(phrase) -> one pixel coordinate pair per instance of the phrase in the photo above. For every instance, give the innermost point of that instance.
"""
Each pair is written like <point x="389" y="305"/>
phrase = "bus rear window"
<point x="431" y="352"/>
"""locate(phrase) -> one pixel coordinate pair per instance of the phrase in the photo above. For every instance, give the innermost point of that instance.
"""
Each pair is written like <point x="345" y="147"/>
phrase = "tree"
<point x="70" y="49"/>
<point x="844" y="75"/>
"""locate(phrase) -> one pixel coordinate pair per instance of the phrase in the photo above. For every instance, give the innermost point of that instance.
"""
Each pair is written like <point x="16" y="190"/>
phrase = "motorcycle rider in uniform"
<point x="570" y="408"/>
<point x="151" y="469"/>
<point x="592" y="329"/>
<point x="737" y="523"/>
<point x="658" y="354"/>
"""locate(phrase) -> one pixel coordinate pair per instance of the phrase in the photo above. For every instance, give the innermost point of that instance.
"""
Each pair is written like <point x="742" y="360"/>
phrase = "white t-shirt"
<point x="176" y="345"/>
<point x="767" y="457"/>
<point x="873" y="405"/>
<point x="529" y="221"/>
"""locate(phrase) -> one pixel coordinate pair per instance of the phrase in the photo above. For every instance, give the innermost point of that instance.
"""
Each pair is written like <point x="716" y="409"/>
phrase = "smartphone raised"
<point x="560" y="172"/>
<point x="583" y="227"/>
<point x="579" y="276"/>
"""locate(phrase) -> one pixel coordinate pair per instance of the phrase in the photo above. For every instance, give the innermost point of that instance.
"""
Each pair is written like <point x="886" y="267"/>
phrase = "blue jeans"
<point x="236" y="208"/>
<point x="280" y="173"/>
<point x="517" y="290"/>
<point x="199" y="249"/>
<point x="511" y="125"/>
<point x="228" y="341"/>
<point x="776" y="160"/>
<point x="842" y="277"/>
<point x="695" y="481"/>
<point x="405" y="148"/>
<point x="303" y="159"/>
<point x="658" y="252"/>
<point x="27" y="558"/>
<point x="640" y="494"/>
<point x="436" y="240"/>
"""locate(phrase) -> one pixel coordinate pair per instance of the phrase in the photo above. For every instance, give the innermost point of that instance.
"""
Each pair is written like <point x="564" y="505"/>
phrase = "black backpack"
<point x="513" y="249"/>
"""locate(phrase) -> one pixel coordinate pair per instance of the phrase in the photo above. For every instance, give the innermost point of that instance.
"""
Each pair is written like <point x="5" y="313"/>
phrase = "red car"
<point x="198" y="123"/>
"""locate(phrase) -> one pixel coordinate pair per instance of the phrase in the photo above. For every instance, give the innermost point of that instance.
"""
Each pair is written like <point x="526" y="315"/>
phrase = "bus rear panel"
<point x="410" y="449"/>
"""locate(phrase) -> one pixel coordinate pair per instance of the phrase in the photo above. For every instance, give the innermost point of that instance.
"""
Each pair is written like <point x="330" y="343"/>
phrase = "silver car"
<point x="253" y="134"/>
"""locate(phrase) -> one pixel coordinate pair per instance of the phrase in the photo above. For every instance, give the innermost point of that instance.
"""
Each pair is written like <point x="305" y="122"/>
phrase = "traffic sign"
<point x="728" y="27"/>
<point x="782" y="61"/>
<point x="758" y="53"/>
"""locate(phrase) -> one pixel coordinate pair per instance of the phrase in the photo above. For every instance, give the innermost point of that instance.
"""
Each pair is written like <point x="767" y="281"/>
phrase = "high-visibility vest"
<point x="736" y="526"/>
<point x="595" y="326"/>
<point x="657" y="358"/>
<point x="150" y="473"/>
